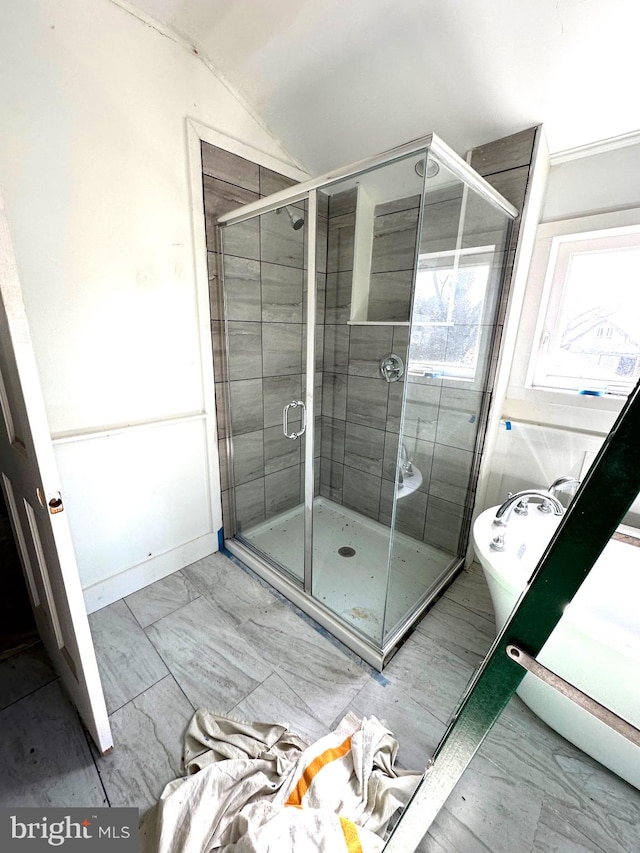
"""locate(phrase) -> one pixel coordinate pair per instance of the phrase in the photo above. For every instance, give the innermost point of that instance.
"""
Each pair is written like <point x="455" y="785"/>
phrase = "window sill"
<point x="566" y="410"/>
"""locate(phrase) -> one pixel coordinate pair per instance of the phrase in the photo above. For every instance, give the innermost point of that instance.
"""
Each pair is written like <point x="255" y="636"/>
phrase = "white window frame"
<point x="546" y="405"/>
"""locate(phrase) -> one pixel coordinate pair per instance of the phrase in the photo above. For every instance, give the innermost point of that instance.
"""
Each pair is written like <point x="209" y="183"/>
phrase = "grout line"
<point x="31" y="693"/>
<point x="93" y="752"/>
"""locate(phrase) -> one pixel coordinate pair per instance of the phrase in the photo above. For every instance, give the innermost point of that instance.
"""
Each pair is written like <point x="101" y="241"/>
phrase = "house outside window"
<point x="588" y="337"/>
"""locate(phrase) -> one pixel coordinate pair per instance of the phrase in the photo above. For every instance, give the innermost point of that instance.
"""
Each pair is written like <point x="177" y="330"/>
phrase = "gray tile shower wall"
<point x="262" y="368"/>
<point x="361" y="413"/>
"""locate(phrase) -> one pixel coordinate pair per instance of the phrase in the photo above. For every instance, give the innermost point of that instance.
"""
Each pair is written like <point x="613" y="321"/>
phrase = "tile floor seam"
<point x="93" y="752"/>
<point x="29" y="694"/>
<point x="148" y="687"/>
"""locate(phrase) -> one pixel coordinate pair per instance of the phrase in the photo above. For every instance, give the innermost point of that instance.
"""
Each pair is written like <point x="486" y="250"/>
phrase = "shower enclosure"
<point x="359" y="322"/>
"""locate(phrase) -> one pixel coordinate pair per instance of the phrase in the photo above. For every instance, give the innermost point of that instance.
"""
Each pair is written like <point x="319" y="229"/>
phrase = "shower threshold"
<point x="349" y="574"/>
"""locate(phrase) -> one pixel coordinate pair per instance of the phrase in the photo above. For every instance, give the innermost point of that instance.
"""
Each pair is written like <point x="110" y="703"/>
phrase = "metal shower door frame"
<point x="307" y="191"/>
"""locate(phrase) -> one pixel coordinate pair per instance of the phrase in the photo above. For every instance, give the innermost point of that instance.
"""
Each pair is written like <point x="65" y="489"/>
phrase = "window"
<point x="451" y="290"/>
<point x="589" y="336"/>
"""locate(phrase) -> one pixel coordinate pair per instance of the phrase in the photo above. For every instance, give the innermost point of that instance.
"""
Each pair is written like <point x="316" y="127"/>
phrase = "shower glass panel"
<point x="460" y="252"/>
<point x="359" y="512"/>
<point x="371" y="224"/>
<point x="263" y="269"/>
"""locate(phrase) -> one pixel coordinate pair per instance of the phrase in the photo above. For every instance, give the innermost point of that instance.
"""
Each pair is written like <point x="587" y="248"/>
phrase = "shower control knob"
<point x="392" y="367"/>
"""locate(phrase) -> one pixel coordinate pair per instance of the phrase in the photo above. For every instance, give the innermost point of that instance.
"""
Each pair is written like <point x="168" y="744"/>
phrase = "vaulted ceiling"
<point x="337" y="80"/>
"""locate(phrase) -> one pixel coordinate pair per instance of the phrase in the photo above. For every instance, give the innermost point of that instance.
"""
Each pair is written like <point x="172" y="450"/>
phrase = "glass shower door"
<point x="459" y="263"/>
<point x="263" y="268"/>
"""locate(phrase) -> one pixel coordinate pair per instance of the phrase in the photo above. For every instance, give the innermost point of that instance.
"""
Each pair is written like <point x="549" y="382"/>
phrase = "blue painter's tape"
<point x="590" y="393"/>
<point x="507" y="424"/>
<point x="221" y="539"/>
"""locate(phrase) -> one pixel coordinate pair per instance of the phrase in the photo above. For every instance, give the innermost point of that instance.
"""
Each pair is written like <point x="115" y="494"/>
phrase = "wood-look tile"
<point x="279" y="242"/>
<point x="394" y="241"/>
<point x="281" y="348"/>
<point x="215" y="286"/>
<point x="220" y="366"/>
<point x="340" y="243"/>
<point x="336" y="348"/>
<point x="24" y="673"/>
<point x="148" y="736"/>
<point x="411" y="202"/>
<point x="282" y="490"/>
<point x="279" y="452"/>
<point x="278" y="391"/>
<point x="361" y="491"/>
<point x="367" y="346"/>
<point x="364" y="448"/>
<point x="506" y="153"/>
<point x="333" y="438"/>
<point x="215" y="665"/>
<point x="367" y="401"/>
<point x="281" y="294"/>
<point x="242" y="288"/>
<point x="421" y="411"/>
<point x="248" y="457"/>
<point x="331" y="479"/>
<point x="246" y="411"/>
<point x="395" y="403"/>
<point x="245" y="350"/>
<point x="242" y="239"/>
<point x="410" y="511"/>
<point x="337" y="307"/>
<point x="275" y="701"/>
<point x="249" y="504"/>
<point x="222" y="164"/>
<point x="458" y="418"/>
<point x="127" y="661"/>
<point x="319" y="672"/>
<point x="161" y="598"/>
<point x="390" y="296"/>
<point x="343" y="202"/>
<point x="443" y="524"/>
<point x="440" y="226"/>
<point x="450" y="472"/>
<point x="334" y="395"/>
<point x="273" y="182"/>
<point x="44" y="755"/>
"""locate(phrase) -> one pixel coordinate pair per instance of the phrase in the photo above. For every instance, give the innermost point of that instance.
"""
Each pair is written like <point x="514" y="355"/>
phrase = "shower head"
<point x="432" y="168"/>
<point x="296" y="220"/>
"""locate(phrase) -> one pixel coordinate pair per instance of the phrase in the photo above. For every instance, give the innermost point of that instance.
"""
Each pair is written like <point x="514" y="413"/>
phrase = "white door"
<point x="32" y="491"/>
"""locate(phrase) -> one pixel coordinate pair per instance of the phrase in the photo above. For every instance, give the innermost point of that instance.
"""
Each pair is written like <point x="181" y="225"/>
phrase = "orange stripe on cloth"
<point x="326" y="757"/>
<point x="350" y="836"/>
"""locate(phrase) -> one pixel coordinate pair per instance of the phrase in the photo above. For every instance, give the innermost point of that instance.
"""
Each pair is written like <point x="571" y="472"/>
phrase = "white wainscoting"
<point x="142" y="503"/>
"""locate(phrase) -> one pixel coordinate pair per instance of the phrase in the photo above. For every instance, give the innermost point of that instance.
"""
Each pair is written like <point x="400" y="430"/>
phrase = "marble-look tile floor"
<point x="213" y="635"/>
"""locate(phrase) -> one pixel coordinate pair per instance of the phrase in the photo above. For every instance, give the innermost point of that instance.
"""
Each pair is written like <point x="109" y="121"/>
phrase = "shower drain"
<point x="346" y="551"/>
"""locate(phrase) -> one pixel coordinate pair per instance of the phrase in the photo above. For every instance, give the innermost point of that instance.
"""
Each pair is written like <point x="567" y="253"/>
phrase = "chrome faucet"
<point x="513" y="502"/>
<point x="405" y="463"/>
<point x="560" y="485"/>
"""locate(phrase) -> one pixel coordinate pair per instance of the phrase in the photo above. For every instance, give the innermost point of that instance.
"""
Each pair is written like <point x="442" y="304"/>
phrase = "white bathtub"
<point x="596" y="644"/>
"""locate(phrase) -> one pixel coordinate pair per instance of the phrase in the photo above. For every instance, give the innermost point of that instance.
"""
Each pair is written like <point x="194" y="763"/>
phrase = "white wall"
<point x="95" y="176"/>
<point x="551" y="433"/>
<point x="606" y="181"/>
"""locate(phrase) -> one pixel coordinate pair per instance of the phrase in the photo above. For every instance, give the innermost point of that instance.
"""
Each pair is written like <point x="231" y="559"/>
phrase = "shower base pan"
<point x="352" y="597"/>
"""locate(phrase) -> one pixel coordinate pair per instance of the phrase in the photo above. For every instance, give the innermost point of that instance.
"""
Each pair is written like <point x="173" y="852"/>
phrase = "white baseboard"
<point x="131" y="580"/>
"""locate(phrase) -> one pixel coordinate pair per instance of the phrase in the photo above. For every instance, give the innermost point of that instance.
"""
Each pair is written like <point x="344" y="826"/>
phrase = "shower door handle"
<point x="294" y="404"/>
